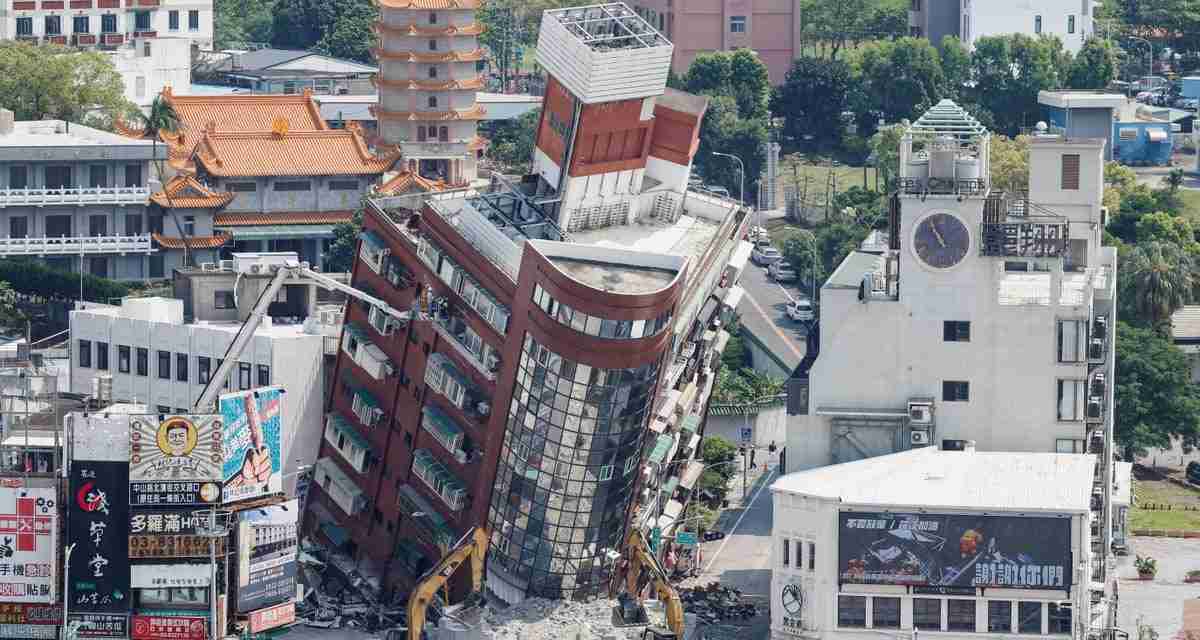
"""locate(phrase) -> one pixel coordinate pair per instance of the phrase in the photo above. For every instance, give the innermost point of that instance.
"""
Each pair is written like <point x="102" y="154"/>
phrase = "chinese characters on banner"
<point x="168" y="534"/>
<point x="272" y="617"/>
<point x="253" y="461"/>
<point x="98" y="574"/>
<point x="267" y="546"/>
<point x="101" y="625"/>
<point x="182" y="493"/>
<point x="175" y="448"/>
<point x="30" y="614"/>
<point x="28" y="549"/>
<point x="29" y="631"/>
<point x="169" y="628"/>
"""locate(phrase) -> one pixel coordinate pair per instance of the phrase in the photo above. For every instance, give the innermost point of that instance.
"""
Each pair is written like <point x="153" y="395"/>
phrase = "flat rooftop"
<point x="688" y="236"/>
<point x="607" y="27"/>
<point x="59" y="133"/>
<point x="273" y="330"/>
<point x="607" y="276"/>
<point x="1081" y="99"/>
<point x="969" y="480"/>
<point x="849" y="274"/>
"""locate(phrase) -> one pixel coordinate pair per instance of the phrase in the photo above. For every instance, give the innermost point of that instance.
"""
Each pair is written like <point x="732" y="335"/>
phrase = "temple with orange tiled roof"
<point x="427" y="52"/>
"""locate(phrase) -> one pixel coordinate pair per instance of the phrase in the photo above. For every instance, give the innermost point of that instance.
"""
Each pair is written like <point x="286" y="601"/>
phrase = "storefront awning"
<point x="670" y="485"/>
<point x="280" y="231"/>
<point x="691" y="473"/>
<point x="691" y="423"/>
<point x="661" y="446"/>
<point x="342" y="426"/>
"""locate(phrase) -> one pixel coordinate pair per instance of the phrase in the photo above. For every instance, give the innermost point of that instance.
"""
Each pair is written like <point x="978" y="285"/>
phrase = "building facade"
<point x="771" y="28"/>
<point x="427" y="81"/>
<point x="1071" y="21"/>
<point x="553" y="384"/>
<point x="986" y="545"/>
<point x="108" y="23"/>
<point x="988" y="319"/>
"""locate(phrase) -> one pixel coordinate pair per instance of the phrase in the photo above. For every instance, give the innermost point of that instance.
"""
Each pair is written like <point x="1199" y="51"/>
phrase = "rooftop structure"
<point x="946" y="152"/>
<point x="284" y="71"/>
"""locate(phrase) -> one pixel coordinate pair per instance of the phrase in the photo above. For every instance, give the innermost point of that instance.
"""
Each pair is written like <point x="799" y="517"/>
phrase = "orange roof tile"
<point x="292" y="153"/>
<point x="193" y="242"/>
<point x="428" y="4"/>
<point x="472" y="29"/>
<point x="129" y="130"/>
<point x="475" y="82"/>
<point x="478" y="142"/>
<point x="185" y="192"/>
<point x="474" y="113"/>
<point x="289" y="217"/>
<point x="414" y="56"/>
<point x="409" y="181"/>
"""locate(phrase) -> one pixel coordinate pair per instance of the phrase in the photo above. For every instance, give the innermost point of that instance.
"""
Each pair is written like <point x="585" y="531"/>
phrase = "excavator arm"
<point x="640" y="558"/>
<point x="472" y="546"/>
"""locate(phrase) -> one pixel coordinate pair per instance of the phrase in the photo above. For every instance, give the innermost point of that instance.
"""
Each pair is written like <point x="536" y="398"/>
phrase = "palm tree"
<point x="162" y="117"/>
<point x="1163" y="276"/>
<point x="1174" y="180"/>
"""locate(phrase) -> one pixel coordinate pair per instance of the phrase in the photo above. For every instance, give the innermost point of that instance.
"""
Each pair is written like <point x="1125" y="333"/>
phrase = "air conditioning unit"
<point x="1096" y="349"/>
<point x="1094" y="408"/>
<point x="1098" y="385"/>
<point x="919" y="438"/>
<point x="1100" y="327"/>
<point x="920" y="413"/>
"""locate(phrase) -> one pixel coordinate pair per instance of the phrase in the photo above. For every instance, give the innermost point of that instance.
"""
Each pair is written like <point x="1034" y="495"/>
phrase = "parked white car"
<point x="781" y="271"/>
<point x="765" y="254"/>
<point x="800" y="310"/>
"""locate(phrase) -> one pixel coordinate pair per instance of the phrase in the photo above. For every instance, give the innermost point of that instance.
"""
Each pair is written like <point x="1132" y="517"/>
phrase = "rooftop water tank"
<point x="941" y="157"/>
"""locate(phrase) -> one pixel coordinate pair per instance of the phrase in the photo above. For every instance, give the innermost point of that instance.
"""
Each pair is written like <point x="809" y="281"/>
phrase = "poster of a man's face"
<point x="175" y="448"/>
<point x="177" y="439"/>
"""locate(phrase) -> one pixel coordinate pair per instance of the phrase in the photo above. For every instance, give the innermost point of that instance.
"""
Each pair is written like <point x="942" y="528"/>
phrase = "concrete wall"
<point x="265" y="198"/>
<point x="996" y="17"/>
<point x="1083" y="123"/>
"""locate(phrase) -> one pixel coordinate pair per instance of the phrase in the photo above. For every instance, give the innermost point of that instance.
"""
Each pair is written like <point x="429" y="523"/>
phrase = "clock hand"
<point x="938" y="235"/>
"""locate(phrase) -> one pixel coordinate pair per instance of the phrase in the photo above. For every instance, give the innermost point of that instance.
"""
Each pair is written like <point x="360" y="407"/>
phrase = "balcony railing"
<point x="440" y="479"/>
<point x="76" y="245"/>
<point x="433" y="149"/>
<point x="449" y="324"/>
<point x="79" y="196"/>
<point x="430" y="524"/>
<point x="83" y="39"/>
<point x="443" y="376"/>
<point x="111" y="38"/>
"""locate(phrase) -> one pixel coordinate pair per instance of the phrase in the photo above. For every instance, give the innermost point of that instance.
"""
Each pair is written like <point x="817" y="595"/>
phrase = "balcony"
<point x="55" y="39"/>
<point x="366" y="408"/>
<point x="340" y="488"/>
<point x="354" y="448"/>
<point x="145" y="34"/>
<point x="81" y="4"/>
<point x="373" y="251"/>
<point x="448" y="434"/>
<point x="430" y="524"/>
<point x="108" y="4"/>
<point x="76" y="245"/>
<point x="440" y="479"/>
<point x="78" y="196"/>
<point x="53" y="5"/>
<point x="111" y="38"/>
<point x="27" y="38"/>
<point x="442" y="376"/>
<point x="83" y="39"/>
<point x="449" y="323"/>
<point x="25" y="5"/>
<point x="1024" y="239"/>
<point x="365" y="354"/>
<point x="433" y="149"/>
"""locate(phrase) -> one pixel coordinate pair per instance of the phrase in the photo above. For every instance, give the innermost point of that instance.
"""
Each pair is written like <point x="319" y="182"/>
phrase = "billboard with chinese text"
<point x="955" y="550"/>
<point x="28" y="548"/>
<point x="175" y="448"/>
<point x="100" y="625"/>
<point x="168" y="628"/>
<point x="253" y="461"/>
<point x="176" y="493"/>
<point x="267" y="544"/>
<point x="97" y="517"/>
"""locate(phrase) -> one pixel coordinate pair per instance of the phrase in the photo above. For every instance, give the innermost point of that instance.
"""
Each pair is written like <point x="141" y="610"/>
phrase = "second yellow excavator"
<point x="473" y="547"/>
<point x="640" y="559"/>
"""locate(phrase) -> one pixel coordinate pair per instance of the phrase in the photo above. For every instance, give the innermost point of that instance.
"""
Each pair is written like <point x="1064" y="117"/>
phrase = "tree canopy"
<point x="512" y="141"/>
<point x="1154" y="395"/>
<point x="340" y="28"/>
<point x="39" y="81"/>
<point x="738" y="73"/>
<point x="805" y="118"/>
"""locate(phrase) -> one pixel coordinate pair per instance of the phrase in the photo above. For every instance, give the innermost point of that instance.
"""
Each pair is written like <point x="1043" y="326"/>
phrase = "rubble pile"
<point x="714" y="604"/>
<point x="539" y="619"/>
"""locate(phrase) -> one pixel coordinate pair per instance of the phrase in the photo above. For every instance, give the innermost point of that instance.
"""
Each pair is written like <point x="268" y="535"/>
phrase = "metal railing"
<point x="74" y="195"/>
<point x="76" y="245"/>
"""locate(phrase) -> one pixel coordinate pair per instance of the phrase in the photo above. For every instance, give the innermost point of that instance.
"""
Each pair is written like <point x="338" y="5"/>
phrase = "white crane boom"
<point x="291" y="269"/>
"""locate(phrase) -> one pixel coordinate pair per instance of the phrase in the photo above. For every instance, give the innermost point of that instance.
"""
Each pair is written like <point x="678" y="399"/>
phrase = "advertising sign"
<point x="185" y="522"/>
<point x="100" y="625"/>
<point x="169" y="576"/>
<point x="267" y="546"/>
<point x="175" y="448"/>
<point x="28" y="549"/>
<point x="181" y="493"/>
<point x="98" y="575"/>
<point x="99" y="437"/>
<point x="48" y="614"/>
<point x="791" y="600"/>
<point x="1017" y="552"/>
<point x="253" y="460"/>
<point x="29" y="631"/>
<point x="152" y="546"/>
<point x="272" y="617"/>
<point x="168" y="628"/>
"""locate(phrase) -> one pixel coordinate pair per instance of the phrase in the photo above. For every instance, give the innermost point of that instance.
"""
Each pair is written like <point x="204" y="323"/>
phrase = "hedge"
<point x="33" y="278"/>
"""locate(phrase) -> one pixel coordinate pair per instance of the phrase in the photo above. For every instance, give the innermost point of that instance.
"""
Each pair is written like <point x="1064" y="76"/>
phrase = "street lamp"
<point x="68" y="633"/>
<point x="741" y="173"/>
<point x="214" y="531"/>
<point x="1149" y="55"/>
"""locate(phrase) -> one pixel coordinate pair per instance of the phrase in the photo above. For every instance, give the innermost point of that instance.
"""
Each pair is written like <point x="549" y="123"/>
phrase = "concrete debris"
<point x="539" y="619"/>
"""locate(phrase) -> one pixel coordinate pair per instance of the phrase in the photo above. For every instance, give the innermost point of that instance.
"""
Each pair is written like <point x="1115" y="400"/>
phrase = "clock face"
<point x="941" y="240"/>
<point x="793" y="599"/>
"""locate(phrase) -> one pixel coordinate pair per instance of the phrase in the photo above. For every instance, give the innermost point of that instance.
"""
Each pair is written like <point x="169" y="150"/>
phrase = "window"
<point x="53" y="25"/>
<point x="1070" y="172"/>
<point x="1058" y="617"/>
<point x="606" y="472"/>
<point x="343" y="185"/>
<point x="164" y="365"/>
<point x="432" y="72"/>
<point x="97" y="225"/>
<point x="956" y="391"/>
<point x="799" y="554"/>
<point x="999" y="616"/>
<point x="58" y="176"/>
<point x="927" y="614"/>
<point x="24" y="26"/>
<point x="1029" y="617"/>
<point x="18" y="227"/>
<point x="432" y="17"/>
<point x="58" y="226"/>
<point x="122" y="358"/>
<point x="97" y="176"/>
<point x="85" y="354"/>
<point x="885" y="613"/>
<point x="98" y="267"/>
<point x="108" y="23"/>
<point x="421" y="134"/>
<point x="18" y="177"/>
<point x="787" y="551"/>
<point x="79" y="24"/>
<point x="1068" y="445"/>
<point x="243" y="376"/>
<point x="173" y="20"/>
<point x="737" y="24"/>
<point x="223" y="300"/>
<point x="203" y="369"/>
<point x="1071" y="400"/>
<point x="189" y="225"/>
<point x="193" y="20"/>
<point x="1071" y="24"/>
<point x="1072" y="340"/>
<point x="956" y="331"/>
<point x="1037" y="24"/>
<point x="133" y="224"/>
<point x="143" y="362"/>
<point x="966" y="28"/>
<point x="960" y="615"/>
<point x="432" y="102"/>
<point x="293" y="185"/>
<point x="433" y="45"/>
<point x="812" y="555"/>
<point x="241" y="187"/>
<point x="443" y="134"/>
<point x="264" y="375"/>
<point x="133" y="175"/>
<point x="141" y="20"/>
<point x="852" y="611"/>
<point x="157" y="266"/>
<point x="181" y="367"/>
<point x="1127" y="133"/>
<point x="915" y="5"/>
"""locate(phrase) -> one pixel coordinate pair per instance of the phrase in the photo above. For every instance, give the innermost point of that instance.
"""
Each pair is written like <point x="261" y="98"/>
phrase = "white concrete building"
<point x="989" y="318"/>
<point x="954" y="543"/>
<point x="968" y="20"/>
<point x="156" y="359"/>
<point x="151" y="64"/>
<point x="107" y="23"/>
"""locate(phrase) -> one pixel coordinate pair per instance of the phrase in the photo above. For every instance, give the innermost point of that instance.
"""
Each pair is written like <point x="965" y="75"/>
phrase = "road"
<point x="763" y="313"/>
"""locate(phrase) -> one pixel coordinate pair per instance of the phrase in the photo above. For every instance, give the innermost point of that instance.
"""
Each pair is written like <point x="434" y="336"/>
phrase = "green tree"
<point x="834" y="25"/>
<point x="34" y="278"/>
<point x="237" y="22"/>
<point x="835" y="241"/>
<point x="1161" y="275"/>
<point x="1008" y="73"/>
<point x="1161" y="226"/>
<point x="1008" y="159"/>
<point x="11" y="316"/>
<point x="956" y="68"/>
<point x="723" y="130"/>
<point x="1155" y="400"/>
<point x="339" y="28"/>
<point x="738" y="73"/>
<point x="162" y="117"/>
<point x="1094" y="67"/>
<point x="512" y="141"/>
<point x="811" y="101"/>
<point x="339" y="258"/>
<point x="901" y="78"/>
<point x="1174" y="180"/>
<point x="885" y="145"/>
<point x="50" y="81"/>
<point x="352" y="34"/>
<point x="801" y="252"/>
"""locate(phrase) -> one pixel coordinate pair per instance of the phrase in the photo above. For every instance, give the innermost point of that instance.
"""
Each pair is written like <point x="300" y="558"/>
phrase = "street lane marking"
<point x="774" y="327"/>
<point x="745" y="510"/>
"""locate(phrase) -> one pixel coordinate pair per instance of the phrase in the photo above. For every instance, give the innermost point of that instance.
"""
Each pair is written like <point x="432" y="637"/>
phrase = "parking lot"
<point x="1159" y="602"/>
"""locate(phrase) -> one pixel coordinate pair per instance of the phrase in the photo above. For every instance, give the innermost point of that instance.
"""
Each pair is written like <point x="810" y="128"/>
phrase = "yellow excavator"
<point x="639" y="558"/>
<point x="472" y="546"/>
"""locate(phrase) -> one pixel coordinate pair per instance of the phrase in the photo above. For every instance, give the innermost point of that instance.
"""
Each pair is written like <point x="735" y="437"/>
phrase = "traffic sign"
<point x="685" y="537"/>
<point x="746" y="435"/>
